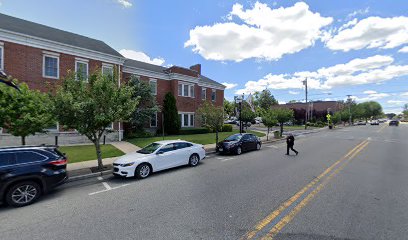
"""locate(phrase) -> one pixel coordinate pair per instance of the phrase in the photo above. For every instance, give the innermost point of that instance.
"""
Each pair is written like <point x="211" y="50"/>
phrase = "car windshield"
<point x="235" y="137"/>
<point x="150" y="148"/>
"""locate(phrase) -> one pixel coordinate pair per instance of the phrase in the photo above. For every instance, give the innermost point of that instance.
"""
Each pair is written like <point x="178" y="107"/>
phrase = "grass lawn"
<point x="206" y="138"/>
<point x="82" y="153"/>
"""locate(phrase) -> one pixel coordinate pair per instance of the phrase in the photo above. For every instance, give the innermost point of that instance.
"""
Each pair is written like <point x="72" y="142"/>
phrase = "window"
<point x="153" y="120"/>
<point x="81" y="69"/>
<point x="53" y="127"/>
<point x="6" y="158"/>
<point x="109" y="127"/>
<point x="186" y="90"/>
<point x="51" y="66"/>
<point x="107" y="70"/>
<point x="181" y="145"/>
<point x="153" y="86"/>
<point x="168" y="148"/>
<point x="213" y="95"/>
<point x="1" y="56"/>
<point x="27" y="157"/>
<point x="186" y="119"/>
<point x="203" y="93"/>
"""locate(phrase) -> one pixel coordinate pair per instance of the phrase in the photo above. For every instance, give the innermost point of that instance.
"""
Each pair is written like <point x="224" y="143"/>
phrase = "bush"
<point x="139" y="135"/>
<point x="226" y="128"/>
<point x="186" y="131"/>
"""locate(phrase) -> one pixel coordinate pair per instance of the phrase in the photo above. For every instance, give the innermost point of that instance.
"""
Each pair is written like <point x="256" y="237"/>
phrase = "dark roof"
<point x="160" y="69"/>
<point x="38" y="30"/>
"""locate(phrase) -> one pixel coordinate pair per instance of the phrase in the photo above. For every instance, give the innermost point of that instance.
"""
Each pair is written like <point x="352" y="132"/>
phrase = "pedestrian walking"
<point x="290" y="142"/>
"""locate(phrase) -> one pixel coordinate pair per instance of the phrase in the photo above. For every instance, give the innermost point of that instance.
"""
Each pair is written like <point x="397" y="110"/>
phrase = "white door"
<point x="166" y="157"/>
<point x="183" y="152"/>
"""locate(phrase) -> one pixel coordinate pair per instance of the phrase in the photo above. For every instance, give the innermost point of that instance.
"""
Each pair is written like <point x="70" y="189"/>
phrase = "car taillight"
<point x="60" y="162"/>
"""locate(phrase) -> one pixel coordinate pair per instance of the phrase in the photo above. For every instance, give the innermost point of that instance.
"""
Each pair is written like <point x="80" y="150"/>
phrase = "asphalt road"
<point x="347" y="183"/>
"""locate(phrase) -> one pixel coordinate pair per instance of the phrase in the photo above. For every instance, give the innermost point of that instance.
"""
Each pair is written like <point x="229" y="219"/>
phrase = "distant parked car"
<point x="248" y="124"/>
<point x="239" y="143"/>
<point x="361" y="123"/>
<point x="393" y="123"/>
<point x="375" y="122"/>
<point x="27" y="172"/>
<point x="158" y="156"/>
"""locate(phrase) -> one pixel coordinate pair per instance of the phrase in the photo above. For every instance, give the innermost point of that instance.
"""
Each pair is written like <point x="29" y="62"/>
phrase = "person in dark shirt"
<point x="290" y="142"/>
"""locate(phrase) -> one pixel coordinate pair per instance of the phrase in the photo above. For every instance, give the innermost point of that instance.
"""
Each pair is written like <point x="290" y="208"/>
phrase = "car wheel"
<point x="194" y="160"/>
<point x="258" y="146"/>
<point x="143" y="171"/>
<point x="23" y="194"/>
<point x="239" y="150"/>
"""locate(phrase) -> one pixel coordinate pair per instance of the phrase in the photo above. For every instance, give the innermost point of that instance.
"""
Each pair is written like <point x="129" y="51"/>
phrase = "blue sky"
<point x="342" y="47"/>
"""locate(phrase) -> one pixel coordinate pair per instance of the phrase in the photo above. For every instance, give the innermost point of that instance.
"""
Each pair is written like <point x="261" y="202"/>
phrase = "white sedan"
<point x="158" y="156"/>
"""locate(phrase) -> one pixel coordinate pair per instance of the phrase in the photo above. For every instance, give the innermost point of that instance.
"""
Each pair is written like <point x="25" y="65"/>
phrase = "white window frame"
<point x="151" y="121"/>
<point x="189" y="114"/>
<point x="152" y="80"/>
<point x="189" y="87"/>
<point x="204" y="97"/>
<point x="51" y="55"/>
<point x="213" y="91"/>
<point x="2" y="56"/>
<point x="107" y="66"/>
<point x="83" y="61"/>
<point x="52" y="129"/>
<point x="109" y="127"/>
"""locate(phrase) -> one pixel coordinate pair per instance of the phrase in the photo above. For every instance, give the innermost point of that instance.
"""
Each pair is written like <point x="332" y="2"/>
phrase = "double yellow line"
<point x="330" y="171"/>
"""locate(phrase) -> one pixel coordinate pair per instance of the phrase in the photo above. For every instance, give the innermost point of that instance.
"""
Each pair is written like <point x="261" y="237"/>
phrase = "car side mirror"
<point x="159" y="152"/>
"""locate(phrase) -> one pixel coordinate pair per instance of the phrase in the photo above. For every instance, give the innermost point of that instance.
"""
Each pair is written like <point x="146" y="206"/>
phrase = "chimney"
<point x="196" y="68"/>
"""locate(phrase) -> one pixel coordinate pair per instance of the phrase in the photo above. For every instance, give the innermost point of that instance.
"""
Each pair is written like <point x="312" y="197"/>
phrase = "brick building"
<point x="41" y="56"/>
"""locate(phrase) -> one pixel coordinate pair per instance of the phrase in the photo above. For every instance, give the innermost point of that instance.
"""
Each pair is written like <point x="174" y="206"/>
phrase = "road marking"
<point x="227" y="159"/>
<point x="263" y="223"/>
<point x="106" y="185"/>
<point x="273" y="146"/>
<point x="288" y="218"/>
<point x="379" y="130"/>
<point x="99" y="178"/>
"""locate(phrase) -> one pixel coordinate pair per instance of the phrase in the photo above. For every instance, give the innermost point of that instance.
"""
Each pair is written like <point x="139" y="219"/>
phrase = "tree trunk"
<point x="216" y="136"/>
<point x="281" y="129"/>
<point x="99" y="154"/>
<point x="23" y="141"/>
<point x="267" y="135"/>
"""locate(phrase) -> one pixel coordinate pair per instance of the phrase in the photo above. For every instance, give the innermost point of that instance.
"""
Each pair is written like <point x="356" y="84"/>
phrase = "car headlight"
<point x="127" y="164"/>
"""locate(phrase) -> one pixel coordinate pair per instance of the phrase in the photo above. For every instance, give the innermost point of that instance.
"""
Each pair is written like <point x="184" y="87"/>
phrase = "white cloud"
<point x="359" y="12"/>
<point x="371" y="97"/>
<point x="371" y="32"/>
<point x="125" y="3"/>
<point x="262" y="32"/>
<point x="396" y="102"/>
<point x="141" y="56"/>
<point x="405" y="94"/>
<point x="229" y="85"/>
<point x="375" y="69"/>
<point x="404" y="49"/>
<point x="293" y="92"/>
<point x="370" y="92"/>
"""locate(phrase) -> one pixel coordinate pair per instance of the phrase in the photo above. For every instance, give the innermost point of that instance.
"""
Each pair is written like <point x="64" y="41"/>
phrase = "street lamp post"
<point x="306" y="106"/>
<point x="349" y="105"/>
<point x="239" y="101"/>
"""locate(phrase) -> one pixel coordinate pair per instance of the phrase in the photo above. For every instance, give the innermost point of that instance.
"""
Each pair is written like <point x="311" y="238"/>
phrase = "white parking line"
<point x="107" y="187"/>
<point x="227" y="159"/>
<point x="273" y="146"/>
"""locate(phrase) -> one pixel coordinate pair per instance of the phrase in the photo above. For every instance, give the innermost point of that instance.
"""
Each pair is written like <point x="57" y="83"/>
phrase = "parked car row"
<point x="27" y="172"/>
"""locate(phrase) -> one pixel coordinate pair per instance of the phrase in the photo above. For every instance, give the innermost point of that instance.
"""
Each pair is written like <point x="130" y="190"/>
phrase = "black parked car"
<point x="393" y="123"/>
<point x="239" y="143"/>
<point x="26" y="172"/>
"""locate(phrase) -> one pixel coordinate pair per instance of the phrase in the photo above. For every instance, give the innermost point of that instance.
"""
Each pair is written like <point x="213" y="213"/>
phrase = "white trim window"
<point x="1" y="56"/>
<point x="203" y="93"/>
<point x="109" y="127"/>
<point x="51" y="65"/>
<point x="186" y="90"/>
<point x="53" y="127"/>
<point x="153" y="86"/>
<point x="81" y="69"/>
<point x="186" y="119"/>
<point x="107" y="70"/>
<point x="153" y="120"/>
<point x="213" y="95"/>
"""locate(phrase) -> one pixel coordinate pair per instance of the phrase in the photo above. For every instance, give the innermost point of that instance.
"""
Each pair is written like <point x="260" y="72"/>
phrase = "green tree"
<point x="212" y="117"/>
<point x="269" y="119"/>
<point x="147" y="104"/>
<point x="370" y="109"/>
<point x="283" y="115"/>
<point x="228" y="108"/>
<point x="171" y="118"/>
<point x="25" y="113"/>
<point x="90" y="107"/>
<point x="247" y="115"/>
<point x="266" y="99"/>
<point x="293" y="101"/>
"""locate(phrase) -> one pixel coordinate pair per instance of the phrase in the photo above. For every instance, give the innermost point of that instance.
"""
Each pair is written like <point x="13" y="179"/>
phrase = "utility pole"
<point x="349" y="105"/>
<point x="306" y="106"/>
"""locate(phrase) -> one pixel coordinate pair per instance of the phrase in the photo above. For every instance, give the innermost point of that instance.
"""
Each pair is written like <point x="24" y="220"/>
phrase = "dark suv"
<point x="26" y="172"/>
